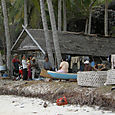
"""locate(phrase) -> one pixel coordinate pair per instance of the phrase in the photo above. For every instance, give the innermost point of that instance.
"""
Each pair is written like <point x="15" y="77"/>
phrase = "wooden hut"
<point x="71" y="43"/>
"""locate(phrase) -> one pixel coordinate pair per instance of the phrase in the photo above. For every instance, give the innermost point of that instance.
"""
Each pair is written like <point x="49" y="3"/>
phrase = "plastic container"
<point x="2" y="68"/>
<point x="5" y="75"/>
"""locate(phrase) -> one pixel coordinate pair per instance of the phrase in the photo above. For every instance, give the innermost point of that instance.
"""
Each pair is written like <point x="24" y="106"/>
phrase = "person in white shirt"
<point x="113" y="61"/>
<point x="63" y="66"/>
<point x="24" y="65"/>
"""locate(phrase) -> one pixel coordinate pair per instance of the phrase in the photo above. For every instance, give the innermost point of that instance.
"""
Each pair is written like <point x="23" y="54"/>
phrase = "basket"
<point x="92" y="78"/>
<point x="110" y="77"/>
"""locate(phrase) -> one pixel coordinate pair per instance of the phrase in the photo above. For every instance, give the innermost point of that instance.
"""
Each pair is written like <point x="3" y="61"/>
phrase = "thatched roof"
<point x="70" y="43"/>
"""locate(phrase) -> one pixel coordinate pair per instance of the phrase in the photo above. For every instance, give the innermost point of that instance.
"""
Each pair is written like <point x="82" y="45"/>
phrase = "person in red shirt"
<point x="16" y="63"/>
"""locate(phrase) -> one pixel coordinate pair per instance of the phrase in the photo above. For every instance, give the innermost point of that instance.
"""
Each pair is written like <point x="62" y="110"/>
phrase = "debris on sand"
<point x="45" y="105"/>
<point x="51" y="91"/>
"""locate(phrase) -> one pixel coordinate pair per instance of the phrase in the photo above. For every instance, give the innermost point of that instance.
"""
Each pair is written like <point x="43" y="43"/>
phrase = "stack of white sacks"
<point x="111" y="73"/>
<point x="110" y="77"/>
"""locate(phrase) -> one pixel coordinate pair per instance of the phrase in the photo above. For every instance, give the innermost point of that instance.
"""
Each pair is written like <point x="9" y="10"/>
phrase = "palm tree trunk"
<point x="86" y="26"/>
<point x="7" y="35"/>
<point x="1" y="62"/>
<point x="25" y="13"/>
<point x="59" y="15"/>
<point x="47" y="37"/>
<point x="89" y="25"/>
<point x="90" y="16"/>
<point x="106" y="18"/>
<point x="54" y="30"/>
<point x="64" y="16"/>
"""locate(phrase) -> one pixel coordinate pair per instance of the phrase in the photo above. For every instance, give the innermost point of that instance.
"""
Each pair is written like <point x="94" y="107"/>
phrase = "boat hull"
<point x="56" y="75"/>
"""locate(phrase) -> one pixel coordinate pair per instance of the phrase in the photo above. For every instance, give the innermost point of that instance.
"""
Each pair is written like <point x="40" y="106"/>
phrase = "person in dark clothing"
<point x="47" y="64"/>
<point x="16" y="63"/>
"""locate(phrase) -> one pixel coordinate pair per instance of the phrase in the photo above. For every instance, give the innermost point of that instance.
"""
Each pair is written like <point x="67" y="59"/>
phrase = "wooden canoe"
<point x="56" y="75"/>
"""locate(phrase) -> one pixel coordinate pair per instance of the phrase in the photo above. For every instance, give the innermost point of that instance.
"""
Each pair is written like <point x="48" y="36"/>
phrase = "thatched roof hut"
<point x="70" y="43"/>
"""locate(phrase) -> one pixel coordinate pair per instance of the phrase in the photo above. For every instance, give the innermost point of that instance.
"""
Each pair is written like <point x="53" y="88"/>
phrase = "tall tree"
<point x="90" y="16"/>
<point x="86" y="26"/>
<point x="64" y="16"/>
<point x="89" y="24"/>
<point x="47" y="37"/>
<point x="54" y="31"/>
<point x="106" y="18"/>
<point x="59" y="15"/>
<point x="1" y="62"/>
<point x="25" y="13"/>
<point x="7" y="35"/>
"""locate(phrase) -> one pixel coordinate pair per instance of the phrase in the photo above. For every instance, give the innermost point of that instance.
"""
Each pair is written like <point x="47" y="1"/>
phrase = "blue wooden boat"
<point x="56" y="75"/>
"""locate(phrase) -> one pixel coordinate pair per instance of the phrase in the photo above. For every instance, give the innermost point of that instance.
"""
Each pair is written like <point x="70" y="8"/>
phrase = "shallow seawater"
<point x="14" y="105"/>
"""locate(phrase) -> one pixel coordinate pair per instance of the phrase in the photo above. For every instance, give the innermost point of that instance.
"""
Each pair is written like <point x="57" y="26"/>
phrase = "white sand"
<point x="13" y="105"/>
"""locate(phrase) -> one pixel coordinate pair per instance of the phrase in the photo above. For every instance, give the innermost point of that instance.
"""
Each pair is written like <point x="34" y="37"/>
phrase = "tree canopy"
<point x="77" y="13"/>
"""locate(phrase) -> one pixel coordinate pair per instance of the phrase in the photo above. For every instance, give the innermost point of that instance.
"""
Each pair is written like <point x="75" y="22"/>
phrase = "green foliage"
<point x="76" y="9"/>
<point x="36" y="3"/>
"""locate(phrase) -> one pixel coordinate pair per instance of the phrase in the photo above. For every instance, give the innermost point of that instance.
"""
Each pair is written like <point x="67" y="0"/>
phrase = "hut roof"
<point x="70" y="43"/>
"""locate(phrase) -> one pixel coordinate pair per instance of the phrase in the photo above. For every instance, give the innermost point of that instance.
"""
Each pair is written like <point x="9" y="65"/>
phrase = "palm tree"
<point x="90" y="15"/>
<point x="64" y="16"/>
<point x="106" y="18"/>
<point x="1" y="62"/>
<point x="86" y="26"/>
<point x="59" y="15"/>
<point x="89" y="25"/>
<point x="47" y="37"/>
<point x="25" y="13"/>
<point x="54" y="31"/>
<point x="7" y="35"/>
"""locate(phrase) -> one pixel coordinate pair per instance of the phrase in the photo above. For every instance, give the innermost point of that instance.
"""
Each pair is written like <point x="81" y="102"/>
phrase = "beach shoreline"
<point x="51" y="91"/>
<point x="15" y="105"/>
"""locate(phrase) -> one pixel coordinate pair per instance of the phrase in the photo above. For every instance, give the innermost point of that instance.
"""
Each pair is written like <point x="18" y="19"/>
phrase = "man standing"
<point x="16" y="63"/>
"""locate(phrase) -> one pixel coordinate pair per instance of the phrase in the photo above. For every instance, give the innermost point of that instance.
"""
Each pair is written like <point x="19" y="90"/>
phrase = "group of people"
<point x="63" y="68"/>
<point x="29" y="66"/>
<point x="91" y="66"/>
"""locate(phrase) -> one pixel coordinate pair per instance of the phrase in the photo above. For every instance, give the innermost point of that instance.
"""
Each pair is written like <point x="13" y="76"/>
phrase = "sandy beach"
<point x="51" y="91"/>
<point x="14" y="105"/>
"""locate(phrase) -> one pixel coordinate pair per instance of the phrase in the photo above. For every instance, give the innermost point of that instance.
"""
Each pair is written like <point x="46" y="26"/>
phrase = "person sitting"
<point x="63" y="66"/>
<point x="47" y="64"/>
<point x="101" y="67"/>
<point x="87" y="66"/>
